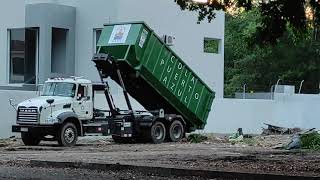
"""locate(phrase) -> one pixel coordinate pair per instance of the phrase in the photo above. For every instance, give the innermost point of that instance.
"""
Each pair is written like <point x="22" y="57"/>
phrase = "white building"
<point x="43" y="38"/>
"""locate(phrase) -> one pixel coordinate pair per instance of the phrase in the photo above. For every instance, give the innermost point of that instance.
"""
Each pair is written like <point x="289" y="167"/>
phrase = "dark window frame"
<point x="18" y="50"/>
<point x="96" y="38"/>
<point x="211" y="45"/>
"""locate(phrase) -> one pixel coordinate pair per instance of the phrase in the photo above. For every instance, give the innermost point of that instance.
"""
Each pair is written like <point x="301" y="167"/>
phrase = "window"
<point x="211" y="45"/>
<point x="59" y="89"/>
<point x="96" y="35"/>
<point x="59" y="51"/>
<point x="82" y="92"/>
<point x="23" y="54"/>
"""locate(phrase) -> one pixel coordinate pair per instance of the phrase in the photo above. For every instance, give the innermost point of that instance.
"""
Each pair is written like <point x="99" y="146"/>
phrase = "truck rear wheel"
<point x="176" y="131"/>
<point x="67" y="135"/>
<point x="30" y="139"/>
<point x="158" y="132"/>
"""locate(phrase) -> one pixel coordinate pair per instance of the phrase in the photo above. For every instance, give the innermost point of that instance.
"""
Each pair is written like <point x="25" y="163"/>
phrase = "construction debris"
<point x="237" y="137"/>
<point x="277" y="130"/>
<point x="295" y="143"/>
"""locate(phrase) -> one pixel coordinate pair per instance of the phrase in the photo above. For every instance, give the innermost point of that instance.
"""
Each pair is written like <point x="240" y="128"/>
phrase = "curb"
<point x="165" y="172"/>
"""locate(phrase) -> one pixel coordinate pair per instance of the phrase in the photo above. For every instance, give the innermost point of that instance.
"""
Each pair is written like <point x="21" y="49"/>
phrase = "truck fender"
<point x="177" y="117"/>
<point x="71" y="115"/>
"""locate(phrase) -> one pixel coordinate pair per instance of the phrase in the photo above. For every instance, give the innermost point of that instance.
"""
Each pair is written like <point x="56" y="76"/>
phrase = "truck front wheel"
<point x="67" y="135"/>
<point x="30" y="139"/>
<point x="158" y="132"/>
<point x="176" y="131"/>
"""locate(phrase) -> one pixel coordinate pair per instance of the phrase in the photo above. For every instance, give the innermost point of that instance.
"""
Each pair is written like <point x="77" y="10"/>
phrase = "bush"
<point x="311" y="141"/>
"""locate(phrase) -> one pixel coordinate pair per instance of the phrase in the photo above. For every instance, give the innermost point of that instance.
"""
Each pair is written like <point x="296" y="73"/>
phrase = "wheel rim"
<point x="158" y="132"/>
<point x="69" y="135"/>
<point x="176" y="131"/>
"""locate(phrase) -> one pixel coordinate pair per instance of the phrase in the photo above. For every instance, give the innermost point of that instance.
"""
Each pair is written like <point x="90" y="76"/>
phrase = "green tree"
<point x="292" y="58"/>
<point x="267" y="40"/>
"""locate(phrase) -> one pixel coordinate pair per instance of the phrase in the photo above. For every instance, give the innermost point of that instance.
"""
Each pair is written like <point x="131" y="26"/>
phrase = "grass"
<point x="249" y="141"/>
<point x="197" y="138"/>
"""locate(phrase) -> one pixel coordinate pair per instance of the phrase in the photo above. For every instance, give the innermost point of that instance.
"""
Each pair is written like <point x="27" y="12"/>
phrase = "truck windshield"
<point x="59" y="89"/>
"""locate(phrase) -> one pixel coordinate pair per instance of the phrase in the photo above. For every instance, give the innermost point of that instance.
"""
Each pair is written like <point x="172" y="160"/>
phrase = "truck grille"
<point x="27" y="115"/>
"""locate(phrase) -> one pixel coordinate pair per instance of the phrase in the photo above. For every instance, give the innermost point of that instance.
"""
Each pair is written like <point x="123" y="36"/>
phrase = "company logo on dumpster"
<point x="119" y="34"/>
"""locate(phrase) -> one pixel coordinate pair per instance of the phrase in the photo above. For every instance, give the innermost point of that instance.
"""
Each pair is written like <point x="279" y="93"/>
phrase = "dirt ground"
<point x="256" y="155"/>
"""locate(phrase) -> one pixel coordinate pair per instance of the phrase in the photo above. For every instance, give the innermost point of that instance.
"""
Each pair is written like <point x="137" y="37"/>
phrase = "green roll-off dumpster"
<point x="154" y="75"/>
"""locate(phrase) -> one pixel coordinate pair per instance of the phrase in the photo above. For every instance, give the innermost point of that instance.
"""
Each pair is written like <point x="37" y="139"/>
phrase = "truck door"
<point x="83" y="103"/>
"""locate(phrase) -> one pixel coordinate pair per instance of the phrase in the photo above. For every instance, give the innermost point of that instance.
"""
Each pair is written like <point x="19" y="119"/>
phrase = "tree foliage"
<point x="205" y="10"/>
<point x="266" y="41"/>
<point x="293" y="57"/>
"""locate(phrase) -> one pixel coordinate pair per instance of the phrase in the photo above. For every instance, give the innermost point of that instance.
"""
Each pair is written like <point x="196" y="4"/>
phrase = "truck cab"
<point x="68" y="95"/>
<point x="63" y="101"/>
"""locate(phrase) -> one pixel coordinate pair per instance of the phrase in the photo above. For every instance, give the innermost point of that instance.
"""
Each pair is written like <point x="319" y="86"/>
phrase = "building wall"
<point x="297" y="110"/>
<point x="12" y="14"/>
<point x="47" y="16"/>
<point x="7" y="112"/>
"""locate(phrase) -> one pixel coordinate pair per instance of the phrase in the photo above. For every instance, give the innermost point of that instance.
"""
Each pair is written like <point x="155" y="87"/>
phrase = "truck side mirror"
<point x="50" y="101"/>
<point x="11" y="101"/>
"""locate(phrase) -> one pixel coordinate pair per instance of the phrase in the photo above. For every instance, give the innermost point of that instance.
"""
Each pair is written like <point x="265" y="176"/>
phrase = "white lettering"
<point x="196" y="96"/>
<point x="190" y="87"/>
<point x="165" y="80"/>
<point x="182" y="83"/>
<point x="176" y="76"/>
<point x="179" y="66"/>
<point x="161" y="62"/>
<point x="185" y="99"/>
<point x="186" y="73"/>
<point x="172" y="58"/>
<point x="169" y="69"/>
<point x="179" y="92"/>
<point x="192" y="80"/>
<point x="172" y="86"/>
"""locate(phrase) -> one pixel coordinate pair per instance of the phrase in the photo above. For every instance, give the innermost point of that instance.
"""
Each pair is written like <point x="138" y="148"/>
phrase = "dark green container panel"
<point x="164" y="71"/>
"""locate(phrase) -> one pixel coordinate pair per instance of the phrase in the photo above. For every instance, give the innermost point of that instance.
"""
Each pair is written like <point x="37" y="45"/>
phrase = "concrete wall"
<point x="165" y="17"/>
<point x="12" y="16"/>
<point x="298" y="110"/>
<point x="48" y="16"/>
<point x="8" y="114"/>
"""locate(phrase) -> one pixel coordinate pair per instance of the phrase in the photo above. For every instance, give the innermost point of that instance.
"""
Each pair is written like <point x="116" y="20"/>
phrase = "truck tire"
<point x="67" y="135"/>
<point x="30" y="139"/>
<point x="176" y="131"/>
<point x="158" y="132"/>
